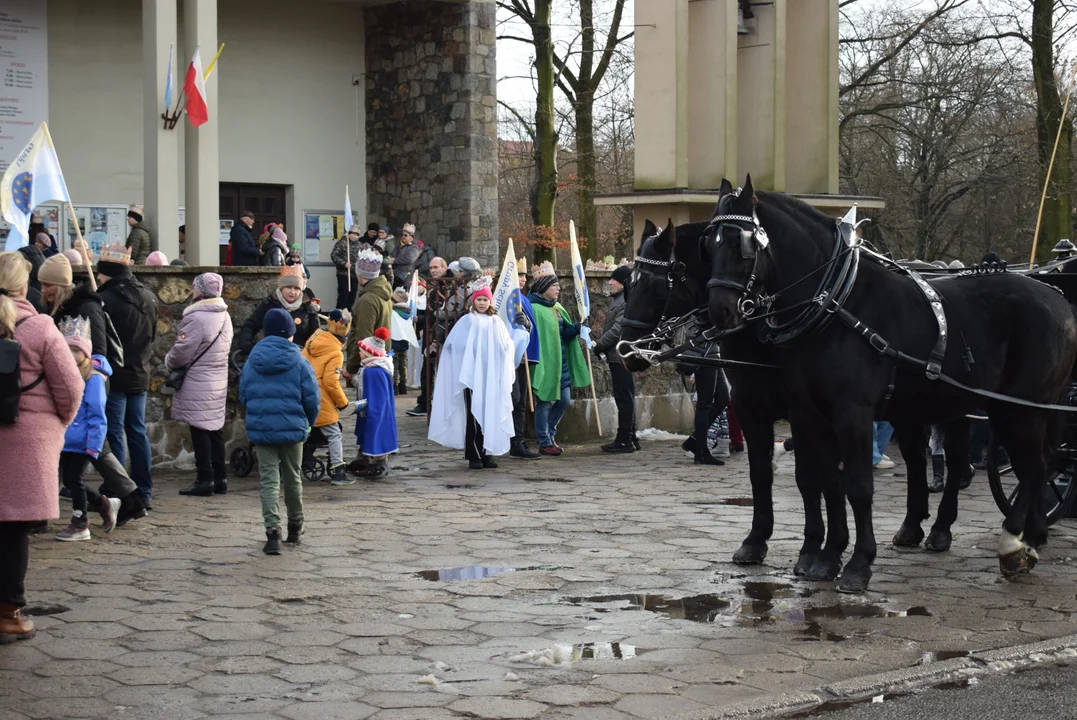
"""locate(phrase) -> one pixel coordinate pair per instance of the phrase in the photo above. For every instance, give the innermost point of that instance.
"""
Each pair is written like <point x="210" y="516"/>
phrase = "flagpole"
<point x="348" y="240"/>
<point x="594" y="395"/>
<point x="575" y="251"/>
<point x="82" y="247"/>
<point x="530" y="393"/>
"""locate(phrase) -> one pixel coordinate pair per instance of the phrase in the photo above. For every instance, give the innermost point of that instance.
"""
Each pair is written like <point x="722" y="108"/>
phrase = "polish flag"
<point x="194" y="87"/>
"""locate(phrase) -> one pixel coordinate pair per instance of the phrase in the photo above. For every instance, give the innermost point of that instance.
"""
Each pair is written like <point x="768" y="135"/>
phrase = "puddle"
<point x="761" y="604"/>
<point x="741" y="501"/>
<point x="471" y="572"/>
<point x="603" y="651"/>
<point x="461" y="487"/>
<point x="552" y="479"/>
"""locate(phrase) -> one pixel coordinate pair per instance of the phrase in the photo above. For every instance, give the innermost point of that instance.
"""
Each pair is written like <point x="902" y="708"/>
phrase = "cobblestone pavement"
<point x="622" y="569"/>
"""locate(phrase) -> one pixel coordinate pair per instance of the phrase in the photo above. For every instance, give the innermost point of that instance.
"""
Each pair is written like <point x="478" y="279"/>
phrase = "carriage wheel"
<point x="240" y="462"/>
<point x="1058" y="496"/>
<point x="315" y="473"/>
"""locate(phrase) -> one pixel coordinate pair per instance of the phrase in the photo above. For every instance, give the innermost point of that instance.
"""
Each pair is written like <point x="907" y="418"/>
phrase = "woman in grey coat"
<point x="202" y="343"/>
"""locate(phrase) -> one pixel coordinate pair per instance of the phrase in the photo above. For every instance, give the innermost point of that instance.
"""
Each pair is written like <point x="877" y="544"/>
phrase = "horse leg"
<point x="808" y="470"/>
<point x="759" y="437"/>
<point x="855" y="437"/>
<point x="910" y="438"/>
<point x="957" y="466"/>
<point x="1023" y="434"/>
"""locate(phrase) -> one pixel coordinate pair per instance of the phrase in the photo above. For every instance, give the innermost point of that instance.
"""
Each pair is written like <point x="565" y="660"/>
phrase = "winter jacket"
<point x="426" y="254"/>
<point x="244" y="250"/>
<point x="86" y="434"/>
<point x="31" y="447"/>
<point x="273" y="252"/>
<point x="138" y="240"/>
<point x="373" y="309"/>
<point x="200" y="402"/>
<point x="325" y="353"/>
<point x="404" y="258"/>
<point x="611" y="328"/>
<point x="36" y="258"/>
<point x="340" y="256"/>
<point x="305" y="316"/>
<point x="133" y="310"/>
<point x="278" y="390"/>
<point x="84" y="302"/>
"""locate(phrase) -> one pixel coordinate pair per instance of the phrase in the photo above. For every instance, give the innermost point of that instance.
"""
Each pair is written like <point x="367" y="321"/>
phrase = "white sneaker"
<point x="73" y="533"/>
<point x="884" y="464"/>
<point x="110" y="511"/>
<point x="779" y="450"/>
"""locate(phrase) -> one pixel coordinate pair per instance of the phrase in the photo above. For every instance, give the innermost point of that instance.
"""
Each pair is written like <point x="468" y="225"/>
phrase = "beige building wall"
<point x="661" y="97"/>
<point x="811" y="97"/>
<point x="289" y="113"/>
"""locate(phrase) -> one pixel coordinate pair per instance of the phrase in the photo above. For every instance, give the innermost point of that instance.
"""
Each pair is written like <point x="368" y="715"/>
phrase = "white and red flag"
<point x="194" y="87"/>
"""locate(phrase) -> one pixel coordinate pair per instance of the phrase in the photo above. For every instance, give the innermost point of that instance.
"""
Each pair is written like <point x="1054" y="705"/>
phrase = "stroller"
<point x="241" y="461"/>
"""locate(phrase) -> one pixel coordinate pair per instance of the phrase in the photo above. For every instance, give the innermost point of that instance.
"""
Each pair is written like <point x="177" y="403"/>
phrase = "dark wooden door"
<point x="265" y="201"/>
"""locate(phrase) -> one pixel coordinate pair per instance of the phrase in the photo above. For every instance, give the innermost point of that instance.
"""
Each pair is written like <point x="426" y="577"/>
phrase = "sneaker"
<point x="550" y="450"/>
<point x="342" y="481"/>
<point x="689" y="446"/>
<point x="779" y="450"/>
<point x="74" y="533"/>
<point x="417" y="411"/>
<point x="110" y="511"/>
<point x="884" y="464"/>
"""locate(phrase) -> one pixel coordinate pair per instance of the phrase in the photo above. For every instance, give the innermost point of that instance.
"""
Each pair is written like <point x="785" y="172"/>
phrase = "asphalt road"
<point x="1042" y="692"/>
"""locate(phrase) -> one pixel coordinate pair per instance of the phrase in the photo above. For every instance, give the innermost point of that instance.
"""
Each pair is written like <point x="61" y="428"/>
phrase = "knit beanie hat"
<point x="409" y="228"/>
<point x="75" y="258"/>
<point x="135" y="212"/>
<point x="541" y="284"/>
<point x="373" y="226"/>
<point x="621" y="274"/>
<point x="339" y="322"/>
<point x="470" y="266"/>
<point x="77" y="333"/>
<point x="179" y="262"/>
<point x="291" y="276"/>
<point x="156" y="258"/>
<point x="368" y="264"/>
<point x="44" y="238"/>
<point x="375" y="345"/>
<point x="207" y="285"/>
<point x="278" y="323"/>
<point x="278" y="234"/>
<point x="56" y="270"/>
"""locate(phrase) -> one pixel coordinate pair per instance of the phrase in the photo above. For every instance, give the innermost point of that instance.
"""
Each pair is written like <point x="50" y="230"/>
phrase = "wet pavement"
<point x="585" y="586"/>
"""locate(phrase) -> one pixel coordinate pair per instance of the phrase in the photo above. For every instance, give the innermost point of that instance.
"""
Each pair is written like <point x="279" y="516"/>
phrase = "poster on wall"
<point x="100" y="225"/>
<point x="48" y="214"/>
<point x="226" y="231"/>
<point x="24" y="75"/>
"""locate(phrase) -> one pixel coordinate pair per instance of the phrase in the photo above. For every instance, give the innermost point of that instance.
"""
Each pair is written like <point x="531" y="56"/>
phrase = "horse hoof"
<point x="1017" y="562"/>
<point x="823" y="570"/>
<point x="853" y="581"/>
<point x="803" y="566"/>
<point x="908" y="536"/>
<point x="938" y="541"/>
<point x="750" y="554"/>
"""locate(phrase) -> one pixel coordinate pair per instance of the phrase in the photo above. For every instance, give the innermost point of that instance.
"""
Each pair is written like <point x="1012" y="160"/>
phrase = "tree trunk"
<point x="1057" y="221"/>
<point x="544" y="192"/>
<point x="585" y="131"/>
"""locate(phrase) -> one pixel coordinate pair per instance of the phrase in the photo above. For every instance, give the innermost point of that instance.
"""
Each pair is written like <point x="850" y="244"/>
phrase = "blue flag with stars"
<point x="34" y="177"/>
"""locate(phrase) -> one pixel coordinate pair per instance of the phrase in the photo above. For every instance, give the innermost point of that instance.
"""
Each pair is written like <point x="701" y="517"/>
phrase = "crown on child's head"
<point x="544" y="268"/>
<point x="115" y="254"/>
<point x="76" y="327"/>
<point x="484" y="282"/>
<point x="521" y="265"/>
<point x="368" y="261"/>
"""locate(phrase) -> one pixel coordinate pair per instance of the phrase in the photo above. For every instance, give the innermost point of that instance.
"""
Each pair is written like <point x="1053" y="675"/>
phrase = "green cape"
<point x="546" y="375"/>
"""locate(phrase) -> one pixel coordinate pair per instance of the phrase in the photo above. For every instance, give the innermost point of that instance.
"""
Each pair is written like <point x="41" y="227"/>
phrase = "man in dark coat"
<point x="133" y="310"/>
<point x="244" y="249"/>
<point x="36" y="258"/>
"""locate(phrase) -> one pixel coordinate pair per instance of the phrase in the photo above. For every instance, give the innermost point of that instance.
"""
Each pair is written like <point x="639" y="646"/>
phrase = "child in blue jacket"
<point x="281" y="396"/>
<point x="85" y="437"/>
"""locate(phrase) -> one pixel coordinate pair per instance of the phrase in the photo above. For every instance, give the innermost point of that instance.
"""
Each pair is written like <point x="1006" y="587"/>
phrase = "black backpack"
<point x="11" y="387"/>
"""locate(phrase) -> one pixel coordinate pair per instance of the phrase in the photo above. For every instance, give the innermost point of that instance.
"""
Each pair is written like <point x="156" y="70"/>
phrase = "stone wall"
<point x="431" y="123"/>
<point x="661" y="400"/>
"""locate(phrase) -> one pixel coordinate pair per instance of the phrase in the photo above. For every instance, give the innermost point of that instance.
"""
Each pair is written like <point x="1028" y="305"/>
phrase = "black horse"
<point x="668" y="282"/>
<point x="862" y="341"/>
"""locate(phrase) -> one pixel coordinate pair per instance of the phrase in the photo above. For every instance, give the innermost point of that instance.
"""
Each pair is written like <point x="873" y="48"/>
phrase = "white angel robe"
<point x="477" y="355"/>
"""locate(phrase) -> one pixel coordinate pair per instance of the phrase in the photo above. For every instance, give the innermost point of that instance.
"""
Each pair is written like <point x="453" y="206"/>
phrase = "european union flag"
<point x="20" y="191"/>
<point x="34" y="177"/>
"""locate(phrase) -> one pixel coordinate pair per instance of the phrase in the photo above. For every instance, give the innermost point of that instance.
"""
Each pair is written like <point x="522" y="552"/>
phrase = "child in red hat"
<point x="375" y="429"/>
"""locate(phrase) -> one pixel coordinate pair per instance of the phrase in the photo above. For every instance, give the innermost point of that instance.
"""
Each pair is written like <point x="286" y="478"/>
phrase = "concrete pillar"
<point x="661" y="94"/>
<point x="811" y="96"/>
<point x="160" y="157"/>
<point x="202" y="186"/>
<point x="712" y="102"/>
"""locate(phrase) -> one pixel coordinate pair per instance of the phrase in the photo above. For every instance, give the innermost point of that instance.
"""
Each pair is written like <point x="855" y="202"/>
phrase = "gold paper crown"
<point x="545" y="268"/>
<point x="521" y="265"/>
<point x="76" y="327"/>
<point x="296" y="270"/>
<point x="115" y="254"/>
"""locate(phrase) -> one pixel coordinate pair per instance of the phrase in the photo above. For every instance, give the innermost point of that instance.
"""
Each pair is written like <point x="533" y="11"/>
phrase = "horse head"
<point x="738" y="247"/>
<point x="648" y="288"/>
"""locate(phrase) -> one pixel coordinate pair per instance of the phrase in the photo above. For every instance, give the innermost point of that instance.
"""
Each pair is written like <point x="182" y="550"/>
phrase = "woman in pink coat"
<point x="202" y="343"/>
<point x="30" y="448"/>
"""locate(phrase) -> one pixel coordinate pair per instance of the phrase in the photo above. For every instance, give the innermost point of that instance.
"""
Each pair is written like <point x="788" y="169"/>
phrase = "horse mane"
<point x="796" y="209"/>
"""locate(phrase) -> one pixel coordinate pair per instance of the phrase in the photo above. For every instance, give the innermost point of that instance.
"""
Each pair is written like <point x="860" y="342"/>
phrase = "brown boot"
<point x="13" y="626"/>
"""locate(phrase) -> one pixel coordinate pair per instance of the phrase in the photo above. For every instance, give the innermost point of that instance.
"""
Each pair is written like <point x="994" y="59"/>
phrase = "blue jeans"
<point x="127" y="414"/>
<point x="548" y="415"/>
<point x="883" y="432"/>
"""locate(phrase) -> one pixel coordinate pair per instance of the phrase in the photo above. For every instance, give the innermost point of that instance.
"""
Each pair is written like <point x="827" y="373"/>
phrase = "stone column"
<point x="712" y="102"/>
<point x="160" y="156"/>
<point x="202" y="187"/>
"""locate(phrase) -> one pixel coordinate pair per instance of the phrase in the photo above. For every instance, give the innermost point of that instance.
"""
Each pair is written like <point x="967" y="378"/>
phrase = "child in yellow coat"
<point x="325" y="352"/>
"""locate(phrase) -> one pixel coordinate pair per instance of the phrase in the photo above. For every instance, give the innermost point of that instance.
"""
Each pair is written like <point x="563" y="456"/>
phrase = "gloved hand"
<point x="585" y="335"/>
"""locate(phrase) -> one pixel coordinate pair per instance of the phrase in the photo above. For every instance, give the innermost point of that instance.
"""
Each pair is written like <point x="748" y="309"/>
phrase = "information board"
<point x="24" y="75"/>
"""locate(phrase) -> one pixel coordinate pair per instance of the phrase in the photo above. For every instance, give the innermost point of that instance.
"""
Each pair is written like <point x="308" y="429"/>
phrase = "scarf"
<point x="384" y="362"/>
<point x="290" y="307"/>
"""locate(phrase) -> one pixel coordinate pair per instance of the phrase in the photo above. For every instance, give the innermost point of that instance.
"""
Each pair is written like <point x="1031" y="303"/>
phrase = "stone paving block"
<point x="219" y="684"/>
<point x="388" y="699"/>
<point x="315" y="673"/>
<point x="638" y="683"/>
<point x="328" y="711"/>
<point x="78" y="649"/>
<point x="655" y="706"/>
<point x="571" y="695"/>
<point x="170" y="675"/>
<point x="500" y="708"/>
<point x="415" y="714"/>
